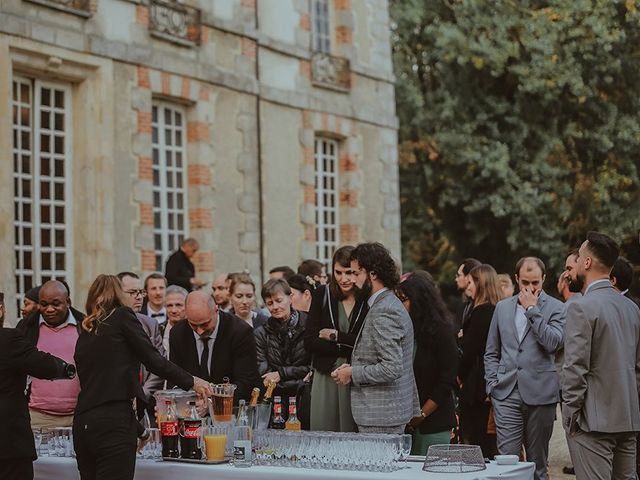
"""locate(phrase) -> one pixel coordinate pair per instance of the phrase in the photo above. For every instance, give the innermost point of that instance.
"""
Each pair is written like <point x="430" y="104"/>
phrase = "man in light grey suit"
<point x="384" y="397"/>
<point x="601" y="373"/>
<point x="526" y="331"/>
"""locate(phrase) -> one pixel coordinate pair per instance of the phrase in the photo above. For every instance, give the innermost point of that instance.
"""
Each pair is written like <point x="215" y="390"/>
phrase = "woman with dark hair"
<point x="301" y="291"/>
<point x="484" y="290"/>
<point x="435" y="362"/>
<point x="335" y="319"/>
<point x="108" y="355"/>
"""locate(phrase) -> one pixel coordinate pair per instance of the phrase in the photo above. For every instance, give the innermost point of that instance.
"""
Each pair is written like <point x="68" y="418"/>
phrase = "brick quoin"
<point x="305" y="69"/>
<point x="347" y="163"/>
<point x="325" y="122"/>
<point x="145" y="168"/>
<point x="199" y="175"/>
<point x="348" y="233"/>
<point x="349" y="198"/>
<point x="204" y="34"/>
<point x="248" y="48"/>
<point x="200" y="218"/>
<point x="248" y="3"/>
<point x="204" y="93"/>
<point x="144" y="122"/>
<point x="310" y="233"/>
<point x="310" y="194"/>
<point x="143" y="77"/>
<point x="186" y="88"/>
<point x="146" y="214"/>
<point x="142" y="15"/>
<point x="148" y="258"/>
<point x="305" y="22"/>
<point x="344" y="35"/>
<point x="309" y="157"/>
<point x="165" y="79"/>
<point x="203" y="262"/>
<point x="342" y="4"/>
<point x="197" y="132"/>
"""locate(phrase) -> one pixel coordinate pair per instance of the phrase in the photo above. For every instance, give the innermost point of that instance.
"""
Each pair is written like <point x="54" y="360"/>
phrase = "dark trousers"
<point x="473" y="427"/>
<point x="105" y="442"/>
<point x="16" y="469"/>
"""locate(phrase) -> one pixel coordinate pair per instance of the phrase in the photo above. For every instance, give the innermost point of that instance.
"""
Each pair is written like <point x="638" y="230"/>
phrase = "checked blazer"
<point x="383" y="391"/>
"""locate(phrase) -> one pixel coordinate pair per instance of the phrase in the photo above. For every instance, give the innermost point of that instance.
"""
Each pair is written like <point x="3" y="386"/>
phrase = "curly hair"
<point x="375" y="258"/>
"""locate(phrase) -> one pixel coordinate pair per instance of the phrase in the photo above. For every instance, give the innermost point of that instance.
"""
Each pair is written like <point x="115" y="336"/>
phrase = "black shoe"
<point x="568" y="470"/>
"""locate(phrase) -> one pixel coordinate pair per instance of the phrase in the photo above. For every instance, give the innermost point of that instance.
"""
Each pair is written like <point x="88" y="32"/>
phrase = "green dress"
<point x="330" y="402"/>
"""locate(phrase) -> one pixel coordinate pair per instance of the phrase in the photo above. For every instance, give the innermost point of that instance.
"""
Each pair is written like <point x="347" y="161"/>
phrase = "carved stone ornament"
<point x="175" y="22"/>
<point x="330" y="72"/>
<point x="81" y="8"/>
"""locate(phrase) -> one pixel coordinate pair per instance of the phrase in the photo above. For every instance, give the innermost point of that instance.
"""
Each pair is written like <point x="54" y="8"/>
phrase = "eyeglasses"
<point x="135" y="293"/>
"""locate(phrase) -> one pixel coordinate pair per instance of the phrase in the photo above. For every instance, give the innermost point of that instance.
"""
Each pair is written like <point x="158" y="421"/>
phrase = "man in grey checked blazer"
<point x="384" y="397"/>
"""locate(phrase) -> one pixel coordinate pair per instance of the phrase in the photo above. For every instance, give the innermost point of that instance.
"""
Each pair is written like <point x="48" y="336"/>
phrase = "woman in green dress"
<point x="435" y="361"/>
<point x="335" y="320"/>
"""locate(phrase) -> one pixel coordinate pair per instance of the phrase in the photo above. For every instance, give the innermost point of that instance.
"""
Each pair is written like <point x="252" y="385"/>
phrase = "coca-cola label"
<point x="292" y="409"/>
<point x="169" y="429"/>
<point x="192" y="429"/>
<point x="277" y="408"/>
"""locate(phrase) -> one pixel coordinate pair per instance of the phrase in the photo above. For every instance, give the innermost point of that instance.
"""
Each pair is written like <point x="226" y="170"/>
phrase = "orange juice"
<point x="214" y="446"/>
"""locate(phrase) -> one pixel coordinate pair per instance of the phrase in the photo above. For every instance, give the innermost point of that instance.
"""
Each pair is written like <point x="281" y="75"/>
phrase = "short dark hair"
<point x="154" y="276"/>
<point x="121" y="275"/>
<point x="572" y="253"/>
<point x="286" y="271"/>
<point x="375" y="258"/>
<point x="274" y="286"/>
<point x="603" y="247"/>
<point x="623" y="272"/>
<point x="310" y="267"/>
<point x="535" y="260"/>
<point x="469" y="264"/>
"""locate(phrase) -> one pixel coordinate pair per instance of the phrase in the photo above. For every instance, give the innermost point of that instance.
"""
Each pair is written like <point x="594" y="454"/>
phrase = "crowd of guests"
<point x="364" y="349"/>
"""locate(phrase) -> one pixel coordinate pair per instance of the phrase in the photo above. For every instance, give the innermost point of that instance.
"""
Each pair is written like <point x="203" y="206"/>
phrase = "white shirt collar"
<point x="624" y="292"/>
<point x="596" y="282"/>
<point x="69" y="321"/>
<point x="373" y="297"/>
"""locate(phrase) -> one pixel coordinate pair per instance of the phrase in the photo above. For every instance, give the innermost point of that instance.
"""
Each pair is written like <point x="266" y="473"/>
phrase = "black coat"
<point x="108" y="362"/>
<point x="324" y="314"/>
<point x="233" y="355"/>
<point x="474" y="344"/>
<point x="19" y="358"/>
<point x="280" y="348"/>
<point x="435" y="367"/>
<point x="180" y="270"/>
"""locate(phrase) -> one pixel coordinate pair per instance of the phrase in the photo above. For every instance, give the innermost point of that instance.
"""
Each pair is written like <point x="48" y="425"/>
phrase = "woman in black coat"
<point x="280" y="350"/>
<point x="435" y="361"/>
<point x="335" y="320"/>
<point x="484" y="290"/>
<point x="108" y="355"/>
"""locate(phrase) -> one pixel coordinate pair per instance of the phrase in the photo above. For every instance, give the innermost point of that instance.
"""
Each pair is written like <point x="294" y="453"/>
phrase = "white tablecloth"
<point x="57" y="468"/>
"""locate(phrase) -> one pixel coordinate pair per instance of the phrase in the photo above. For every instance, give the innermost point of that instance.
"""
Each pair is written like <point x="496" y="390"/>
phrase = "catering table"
<point x="57" y="468"/>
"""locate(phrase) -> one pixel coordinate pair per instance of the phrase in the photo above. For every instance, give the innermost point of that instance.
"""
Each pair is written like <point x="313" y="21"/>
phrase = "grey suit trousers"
<point x="603" y="456"/>
<point x="519" y="424"/>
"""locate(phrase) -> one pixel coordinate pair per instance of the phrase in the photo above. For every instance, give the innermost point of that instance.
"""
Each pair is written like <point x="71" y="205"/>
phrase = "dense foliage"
<point x="519" y="127"/>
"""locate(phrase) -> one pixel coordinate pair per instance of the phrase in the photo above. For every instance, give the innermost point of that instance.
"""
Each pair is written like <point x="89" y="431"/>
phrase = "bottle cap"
<point x="277" y="398"/>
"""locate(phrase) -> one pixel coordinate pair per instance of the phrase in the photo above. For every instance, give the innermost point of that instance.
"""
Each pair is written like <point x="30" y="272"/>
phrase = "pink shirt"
<point x="57" y="397"/>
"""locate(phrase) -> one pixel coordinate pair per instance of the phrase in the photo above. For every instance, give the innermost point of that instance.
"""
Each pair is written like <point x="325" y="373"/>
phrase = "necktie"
<point x="155" y="315"/>
<point x="204" y="357"/>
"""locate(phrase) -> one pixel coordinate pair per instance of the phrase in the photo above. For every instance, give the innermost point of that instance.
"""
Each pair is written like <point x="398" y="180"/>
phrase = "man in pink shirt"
<point x="55" y="330"/>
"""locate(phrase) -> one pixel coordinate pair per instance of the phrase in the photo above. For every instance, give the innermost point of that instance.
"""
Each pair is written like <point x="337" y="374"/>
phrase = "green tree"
<point x="519" y="127"/>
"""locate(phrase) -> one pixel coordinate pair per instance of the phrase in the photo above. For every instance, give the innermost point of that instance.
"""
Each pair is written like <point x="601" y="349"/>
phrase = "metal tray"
<point x="189" y="460"/>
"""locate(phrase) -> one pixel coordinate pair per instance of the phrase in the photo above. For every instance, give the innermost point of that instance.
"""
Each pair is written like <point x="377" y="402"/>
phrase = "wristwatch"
<point x="70" y="371"/>
<point x="529" y="307"/>
<point x="333" y="336"/>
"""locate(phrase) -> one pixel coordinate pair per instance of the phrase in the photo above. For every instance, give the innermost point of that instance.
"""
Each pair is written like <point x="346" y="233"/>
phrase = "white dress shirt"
<point x="521" y="321"/>
<point x="212" y="340"/>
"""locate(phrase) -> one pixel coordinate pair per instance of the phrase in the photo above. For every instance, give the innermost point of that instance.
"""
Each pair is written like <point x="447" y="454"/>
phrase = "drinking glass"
<point x="213" y="442"/>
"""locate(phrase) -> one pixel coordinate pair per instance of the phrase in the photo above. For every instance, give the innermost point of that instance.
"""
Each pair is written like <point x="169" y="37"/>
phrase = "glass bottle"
<point x="292" y="422"/>
<point x="242" y="438"/>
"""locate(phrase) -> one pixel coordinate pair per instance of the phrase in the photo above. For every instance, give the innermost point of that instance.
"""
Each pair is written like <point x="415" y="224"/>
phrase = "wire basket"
<point x="454" y="459"/>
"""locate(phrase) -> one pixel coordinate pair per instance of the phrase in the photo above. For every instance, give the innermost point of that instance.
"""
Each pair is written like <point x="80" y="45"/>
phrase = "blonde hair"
<point x="487" y="285"/>
<point x="105" y="295"/>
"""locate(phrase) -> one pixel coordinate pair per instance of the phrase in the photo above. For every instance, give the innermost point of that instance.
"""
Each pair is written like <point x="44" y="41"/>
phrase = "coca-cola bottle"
<point x="277" y="422"/>
<point x="169" y="431"/>
<point x="189" y="434"/>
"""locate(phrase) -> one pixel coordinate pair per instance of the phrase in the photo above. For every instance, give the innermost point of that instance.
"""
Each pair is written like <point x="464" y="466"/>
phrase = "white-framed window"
<point x="168" y="146"/>
<point x="42" y="159"/>
<point x="327" y="200"/>
<point x="321" y="25"/>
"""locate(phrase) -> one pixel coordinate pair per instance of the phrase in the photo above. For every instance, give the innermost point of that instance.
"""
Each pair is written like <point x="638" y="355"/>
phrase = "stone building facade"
<point x="264" y="128"/>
